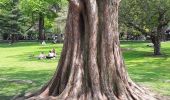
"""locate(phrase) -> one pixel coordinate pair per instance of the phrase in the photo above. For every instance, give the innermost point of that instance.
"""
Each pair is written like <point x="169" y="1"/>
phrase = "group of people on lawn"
<point x="51" y="55"/>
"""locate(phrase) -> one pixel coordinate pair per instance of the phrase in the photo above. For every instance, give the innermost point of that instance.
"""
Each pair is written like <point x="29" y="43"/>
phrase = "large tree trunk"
<point x="41" y="27"/>
<point x="91" y="66"/>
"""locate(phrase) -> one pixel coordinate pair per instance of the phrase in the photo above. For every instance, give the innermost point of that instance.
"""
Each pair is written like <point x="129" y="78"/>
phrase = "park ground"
<point x="21" y="71"/>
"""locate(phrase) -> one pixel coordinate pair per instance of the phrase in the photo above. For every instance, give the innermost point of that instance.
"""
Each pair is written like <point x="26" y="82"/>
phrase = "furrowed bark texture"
<point x="91" y="66"/>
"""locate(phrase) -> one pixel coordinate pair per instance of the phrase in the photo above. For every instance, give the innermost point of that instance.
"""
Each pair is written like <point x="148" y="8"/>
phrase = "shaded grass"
<point x="147" y="69"/>
<point x="18" y="62"/>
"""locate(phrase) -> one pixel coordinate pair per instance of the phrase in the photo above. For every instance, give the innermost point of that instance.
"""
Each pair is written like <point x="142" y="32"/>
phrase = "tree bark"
<point x="156" y="39"/>
<point x="91" y="66"/>
<point x="41" y="27"/>
<point x="156" y="43"/>
<point x="13" y="38"/>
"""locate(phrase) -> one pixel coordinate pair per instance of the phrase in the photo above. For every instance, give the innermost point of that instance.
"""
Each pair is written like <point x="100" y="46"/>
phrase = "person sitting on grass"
<point x="42" y="56"/>
<point x="50" y="55"/>
<point x="54" y="52"/>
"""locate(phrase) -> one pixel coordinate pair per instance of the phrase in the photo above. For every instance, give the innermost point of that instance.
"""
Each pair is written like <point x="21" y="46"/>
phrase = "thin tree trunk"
<point x="41" y="27"/>
<point x="13" y="38"/>
<point x="156" y="40"/>
<point x="157" y="44"/>
<point x="91" y="66"/>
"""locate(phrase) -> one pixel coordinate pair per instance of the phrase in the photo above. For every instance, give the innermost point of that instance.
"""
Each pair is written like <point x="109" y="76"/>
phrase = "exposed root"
<point x="131" y="93"/>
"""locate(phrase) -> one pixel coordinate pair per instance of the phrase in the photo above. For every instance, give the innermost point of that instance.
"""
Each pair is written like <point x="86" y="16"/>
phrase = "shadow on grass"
<point x="139" y="55"/>
<point x="39" y="78"/>
<point x="3" y="97"/>
<point x="145" y="67"/>
<point x="150" y="71"/>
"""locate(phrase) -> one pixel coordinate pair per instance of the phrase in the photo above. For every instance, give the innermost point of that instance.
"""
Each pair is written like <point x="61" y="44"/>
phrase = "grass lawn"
<point x="21" y="71"/>
<point x="18" y="63"/>
<point x="146" y="69"/>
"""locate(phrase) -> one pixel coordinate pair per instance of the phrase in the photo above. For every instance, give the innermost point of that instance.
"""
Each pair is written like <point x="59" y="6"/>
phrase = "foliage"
<point x="30" y="6"/>
<point x="145" y="15"/>
<point x="21" y="16"/>
<point x="10" y="18"/>
<point x="48" y="8"/>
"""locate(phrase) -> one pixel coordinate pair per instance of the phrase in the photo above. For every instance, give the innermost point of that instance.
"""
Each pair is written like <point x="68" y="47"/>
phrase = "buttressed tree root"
<point x="91" y="66"/>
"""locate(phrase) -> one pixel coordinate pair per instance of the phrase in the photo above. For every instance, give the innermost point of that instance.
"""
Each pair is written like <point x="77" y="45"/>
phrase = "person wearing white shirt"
<point x="50" y="55"/>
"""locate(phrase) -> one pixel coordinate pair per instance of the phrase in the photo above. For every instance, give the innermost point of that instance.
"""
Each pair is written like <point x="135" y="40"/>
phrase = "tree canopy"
<point x="150" y="17"/>
<point x="145" y="15"/>
<point x="22" y="15"/>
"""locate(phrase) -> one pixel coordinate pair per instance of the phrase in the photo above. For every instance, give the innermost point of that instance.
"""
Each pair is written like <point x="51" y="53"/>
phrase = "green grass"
<point x="18" y="63"/>
<point x="146" y="69"/>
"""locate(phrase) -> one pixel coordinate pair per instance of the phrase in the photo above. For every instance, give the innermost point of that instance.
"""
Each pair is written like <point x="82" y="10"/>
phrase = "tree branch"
<point x="137" y="27"/>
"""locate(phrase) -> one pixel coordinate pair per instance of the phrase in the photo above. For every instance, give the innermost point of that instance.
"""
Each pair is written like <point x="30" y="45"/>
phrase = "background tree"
<point x="45" y="11"/>
<point x="10" y="19"/>
<point x="29" y="17"/>
<point x="149" y="17"/>
<point x="91" y="65"/>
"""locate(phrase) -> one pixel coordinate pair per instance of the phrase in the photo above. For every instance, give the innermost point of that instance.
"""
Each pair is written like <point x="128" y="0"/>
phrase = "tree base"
<point x="91" y="66"/>
<point x="133" y="92"/>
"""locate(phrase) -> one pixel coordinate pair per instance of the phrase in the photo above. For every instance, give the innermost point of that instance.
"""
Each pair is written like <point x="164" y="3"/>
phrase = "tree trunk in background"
<point x="156" y="44"/>
<point x="91" y="66"/>
<point x="41" y="27"/>
<point x="13" y="38"/>
<point x="156" y="40"/>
